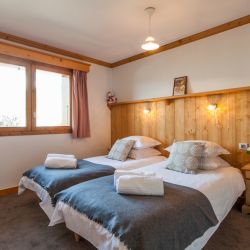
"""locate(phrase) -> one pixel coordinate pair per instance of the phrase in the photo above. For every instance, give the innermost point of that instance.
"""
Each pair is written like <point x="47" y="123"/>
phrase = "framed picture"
<point x="180" y="86"/>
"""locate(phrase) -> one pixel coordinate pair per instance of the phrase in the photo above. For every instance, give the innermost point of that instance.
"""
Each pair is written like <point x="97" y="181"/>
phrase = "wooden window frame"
<point x="31" y="128"/>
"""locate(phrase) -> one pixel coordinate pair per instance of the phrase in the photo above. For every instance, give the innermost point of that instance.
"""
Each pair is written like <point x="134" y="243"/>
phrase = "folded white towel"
<point x="61" y="156"/>
<point x="118" y="173"/>
<point x="140" y="185"/>
<point x="57" y="162"/>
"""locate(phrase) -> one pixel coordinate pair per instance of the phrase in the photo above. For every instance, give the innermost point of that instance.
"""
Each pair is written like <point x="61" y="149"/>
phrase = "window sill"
<point x="37" y="132"/>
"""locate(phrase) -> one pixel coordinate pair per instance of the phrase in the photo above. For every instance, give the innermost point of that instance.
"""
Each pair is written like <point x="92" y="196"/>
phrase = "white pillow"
<point x="209" y="163"/>
<point x="120" y="150"/>
<point x="143" y="153"/>
<point x="211" y="148"/>
<point x="143" y="142"/>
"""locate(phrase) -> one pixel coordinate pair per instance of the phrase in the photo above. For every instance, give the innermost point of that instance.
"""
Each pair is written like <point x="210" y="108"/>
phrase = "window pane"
<point x="12" y="95"/>
<point x="52" y="99"/>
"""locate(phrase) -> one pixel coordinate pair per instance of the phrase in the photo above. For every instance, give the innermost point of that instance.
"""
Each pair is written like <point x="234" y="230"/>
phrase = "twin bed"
<point x="188" y="214"/>
<point x="191" y="222"/>
<point x="47" y="182"/>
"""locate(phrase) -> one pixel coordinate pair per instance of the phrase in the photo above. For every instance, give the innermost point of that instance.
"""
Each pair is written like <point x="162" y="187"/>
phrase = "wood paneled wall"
<point x="188" y="118"/>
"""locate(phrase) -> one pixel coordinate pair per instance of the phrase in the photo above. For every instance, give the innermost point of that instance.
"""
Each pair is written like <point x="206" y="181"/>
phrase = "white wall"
<point x="19" y="153"/>
<point x="218" y="62"/>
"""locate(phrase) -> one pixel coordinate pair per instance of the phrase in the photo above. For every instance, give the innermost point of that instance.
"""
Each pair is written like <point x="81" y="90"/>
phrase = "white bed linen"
<point x="129" y="164"/>
<point x="221" y="186"/>
<point x="44" y="196"/>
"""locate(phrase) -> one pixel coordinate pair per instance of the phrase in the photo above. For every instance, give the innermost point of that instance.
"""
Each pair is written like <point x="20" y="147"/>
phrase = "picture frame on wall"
<point x="180" y="86"/>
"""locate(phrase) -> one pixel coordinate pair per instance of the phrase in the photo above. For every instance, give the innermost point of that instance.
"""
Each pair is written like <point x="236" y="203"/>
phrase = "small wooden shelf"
<point x="169" y="98"/>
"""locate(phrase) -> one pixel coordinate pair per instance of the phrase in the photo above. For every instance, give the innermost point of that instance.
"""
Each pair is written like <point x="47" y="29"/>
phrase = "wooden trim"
<point x="169" y="98"/>
<point x="210" y="32"/>
<point x="31" y="128"/>
<point x="8" y="191"/>
<point x="47" y="131"/>
<point x="32" y="55"/>
<point x="26" y="65"/>
<point x="46" y="47"/>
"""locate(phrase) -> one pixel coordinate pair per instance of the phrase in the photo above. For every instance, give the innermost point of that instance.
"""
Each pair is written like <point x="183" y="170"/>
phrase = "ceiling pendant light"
<point x="150" y="43"/>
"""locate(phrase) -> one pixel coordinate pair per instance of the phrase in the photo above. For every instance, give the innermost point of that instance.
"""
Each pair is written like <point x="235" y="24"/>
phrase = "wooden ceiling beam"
<point x="210" y="32"/>
<point x="37" y="56"/>
<point x="189" y="39"/>
<point x="46" y="47"/>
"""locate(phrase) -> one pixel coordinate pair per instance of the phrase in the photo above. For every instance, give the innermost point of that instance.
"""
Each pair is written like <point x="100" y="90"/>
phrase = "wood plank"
<point x="201" y="118"/>
<point x="46" y="47"/>
<point x="115" y="124"/>
<point x="124" y="121"/>
<point x="228" y="122"/>
<point x="179" y="119"/>
<point x="32" y="55"/>
<point x="145" y="119"/>
<point x="214" y="123"/>
<point x="242" y="129"/>
<point x="7" y="191"/>
<point x="139" y="116"/>
<point x="152" y="120"/>
<point x="189" y="39"/>
<point x="131" y="119"/>
<point x="171" y="98"/>
<point x="160" y="120"/>
<point x="170" y="123"/>
<point x="190" y="118"/>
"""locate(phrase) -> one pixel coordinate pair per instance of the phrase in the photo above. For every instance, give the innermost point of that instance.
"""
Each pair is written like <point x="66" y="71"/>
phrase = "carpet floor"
<point x="24" y="226"/>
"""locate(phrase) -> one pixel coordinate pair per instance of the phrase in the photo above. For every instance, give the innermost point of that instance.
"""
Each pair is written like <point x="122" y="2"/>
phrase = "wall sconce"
<point x="147" y="108"/>
<point x="212" y="107"/>
<point x="213" y="110"/>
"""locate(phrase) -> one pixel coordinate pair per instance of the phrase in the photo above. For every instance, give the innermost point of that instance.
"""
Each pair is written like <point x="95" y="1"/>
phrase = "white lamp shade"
<point x="150" y="44"/>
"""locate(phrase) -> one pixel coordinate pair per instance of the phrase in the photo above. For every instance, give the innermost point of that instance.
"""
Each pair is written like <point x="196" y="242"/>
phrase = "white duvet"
<point x="222" y="187"/>
<point x="44" y="196"/>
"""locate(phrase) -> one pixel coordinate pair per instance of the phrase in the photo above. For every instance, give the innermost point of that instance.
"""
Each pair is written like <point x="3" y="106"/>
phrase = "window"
<point x="12" y="92"/>
<point x="46" y="110"/>
<point x="55" y="89"/>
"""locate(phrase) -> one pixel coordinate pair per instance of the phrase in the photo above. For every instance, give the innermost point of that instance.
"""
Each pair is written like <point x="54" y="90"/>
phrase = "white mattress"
<point x="221" y="186"/>
<point x="44" y="196"/>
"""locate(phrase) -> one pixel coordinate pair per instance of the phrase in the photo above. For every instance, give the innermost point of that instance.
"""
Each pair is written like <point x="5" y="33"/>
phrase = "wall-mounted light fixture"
<point x="147" y="108"/>
<point x="212" y="107"/>
<point x="214" y="111"/>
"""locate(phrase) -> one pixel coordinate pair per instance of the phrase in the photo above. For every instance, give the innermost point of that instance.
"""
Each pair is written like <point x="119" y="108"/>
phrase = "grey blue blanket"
<point x="56" y="180"/>
<point x="171" y="222"/>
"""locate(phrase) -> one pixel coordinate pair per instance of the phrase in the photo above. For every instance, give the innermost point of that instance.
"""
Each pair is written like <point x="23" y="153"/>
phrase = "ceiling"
<point x="112" y="30"/>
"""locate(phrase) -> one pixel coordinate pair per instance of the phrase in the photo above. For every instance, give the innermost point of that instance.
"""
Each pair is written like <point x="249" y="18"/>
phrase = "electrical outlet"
<point x="243" y="146"/>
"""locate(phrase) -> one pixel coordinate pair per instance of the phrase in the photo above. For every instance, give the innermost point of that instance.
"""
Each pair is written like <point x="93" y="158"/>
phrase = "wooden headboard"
<point x="187" y="117"/>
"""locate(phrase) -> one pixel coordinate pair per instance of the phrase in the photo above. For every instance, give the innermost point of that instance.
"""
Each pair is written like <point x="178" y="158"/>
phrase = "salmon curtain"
<point x="80" y="122"/>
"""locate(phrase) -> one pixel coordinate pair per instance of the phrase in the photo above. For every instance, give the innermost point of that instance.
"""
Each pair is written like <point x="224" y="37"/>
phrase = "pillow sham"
<point x="143" y="142"/>
<point x="209" y="163"/>
<point x="211" y="148"/>
<point x="120" y="150"/>
<point x="143" y="153"/>
<point x="185" y="157"/>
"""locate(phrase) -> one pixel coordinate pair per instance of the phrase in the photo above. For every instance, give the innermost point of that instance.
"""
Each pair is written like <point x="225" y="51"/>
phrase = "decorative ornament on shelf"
<point x="110" y="98"/>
